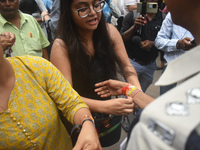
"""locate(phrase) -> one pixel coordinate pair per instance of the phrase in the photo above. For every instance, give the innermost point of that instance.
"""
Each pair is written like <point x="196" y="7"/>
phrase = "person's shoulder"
<point x="30" y="61"/>
<point x="111" y="28"/>
<point x="59" y="42"/>
<point x="113" y="32"/>
<point x="129" y="15"/>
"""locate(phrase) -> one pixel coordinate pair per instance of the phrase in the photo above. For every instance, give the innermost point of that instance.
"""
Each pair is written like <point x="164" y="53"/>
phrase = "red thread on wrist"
<point x="124" y="89"/>
<point x="86" y="116"/>
<point x="136" y="93"/>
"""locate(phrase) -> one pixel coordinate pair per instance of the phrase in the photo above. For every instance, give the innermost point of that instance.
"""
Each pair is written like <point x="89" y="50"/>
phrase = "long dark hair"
<point x="77" y="52"/>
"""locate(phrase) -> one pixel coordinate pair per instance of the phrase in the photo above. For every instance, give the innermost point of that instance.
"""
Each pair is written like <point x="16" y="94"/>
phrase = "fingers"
<point x="103" y="88"/>
<point x="9" y="35"/>
<point x="187" y="43"/>
<point x="127" y="111"/>
<point x="5" y="34"/>
<point x="127" y="106"/>
<point x="12" y="37"/>
<point x="140" y="21"/>
<point x="127" y="102"/>
<point x="44" y="13"/>
<point x="101" y="84"/>
<point x="103" y="92"/>
<point x="188" y="39"/>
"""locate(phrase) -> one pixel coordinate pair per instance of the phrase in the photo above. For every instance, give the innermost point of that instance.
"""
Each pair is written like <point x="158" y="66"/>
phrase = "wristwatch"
<point x="44" y="16"/>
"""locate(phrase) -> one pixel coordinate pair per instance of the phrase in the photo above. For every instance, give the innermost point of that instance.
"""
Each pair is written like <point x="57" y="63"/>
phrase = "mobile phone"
<point x="193" y="42"/>
<point x="151" y="7"/>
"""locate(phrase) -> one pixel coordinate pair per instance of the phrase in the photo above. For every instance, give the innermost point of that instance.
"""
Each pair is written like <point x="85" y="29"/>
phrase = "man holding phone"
<point x="174" y="41"/>
<point x="139" y="35"/>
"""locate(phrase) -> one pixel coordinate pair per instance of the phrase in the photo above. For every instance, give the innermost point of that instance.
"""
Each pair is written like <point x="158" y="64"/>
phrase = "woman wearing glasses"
<point x="86" y="51"/>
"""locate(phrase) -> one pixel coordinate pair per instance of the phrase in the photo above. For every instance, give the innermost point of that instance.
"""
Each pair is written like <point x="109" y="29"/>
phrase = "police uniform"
<point x="167" y="123"/>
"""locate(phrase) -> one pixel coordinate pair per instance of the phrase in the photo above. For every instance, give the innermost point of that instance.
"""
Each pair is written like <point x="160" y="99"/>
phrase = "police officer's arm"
<point x="114" y="88"/>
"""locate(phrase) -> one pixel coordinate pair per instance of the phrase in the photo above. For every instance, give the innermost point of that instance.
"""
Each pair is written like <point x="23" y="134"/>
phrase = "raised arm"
<point x="129" y="71"/>
<point x="130" y="26"/>
<point x="114" y="88"/>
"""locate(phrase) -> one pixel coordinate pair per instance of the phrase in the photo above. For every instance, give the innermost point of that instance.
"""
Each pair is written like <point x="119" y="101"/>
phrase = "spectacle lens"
<point x="84" y="12"/>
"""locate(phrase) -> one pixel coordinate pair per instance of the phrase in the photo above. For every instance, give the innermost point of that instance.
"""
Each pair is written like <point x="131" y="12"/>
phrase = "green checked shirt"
<point x="30" y="39"/>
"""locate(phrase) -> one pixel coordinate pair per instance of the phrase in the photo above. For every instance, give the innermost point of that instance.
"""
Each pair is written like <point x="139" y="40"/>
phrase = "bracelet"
<point x="86" y="120"/>
<point x="124" y="89"/>
<point x="44" y="16"/>
<point x="132" y="88"/>
<point x="87" y="116"/>
<point x="136" y="93"/>
<point x="127" y="90"/>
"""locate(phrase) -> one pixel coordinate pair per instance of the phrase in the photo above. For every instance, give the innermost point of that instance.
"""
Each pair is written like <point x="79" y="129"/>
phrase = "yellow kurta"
<point x="31" y="120"/>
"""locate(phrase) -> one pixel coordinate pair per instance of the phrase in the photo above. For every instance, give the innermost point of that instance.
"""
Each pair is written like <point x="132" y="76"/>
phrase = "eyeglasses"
<point x="85" y="11"/>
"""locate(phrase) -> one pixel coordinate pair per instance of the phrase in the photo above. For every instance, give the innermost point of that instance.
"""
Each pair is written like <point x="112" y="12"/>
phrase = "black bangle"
<point x="87" y="120"/>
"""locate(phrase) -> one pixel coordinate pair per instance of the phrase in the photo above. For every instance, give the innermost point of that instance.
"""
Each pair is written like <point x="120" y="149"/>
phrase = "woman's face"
<point x="80" y="9"/>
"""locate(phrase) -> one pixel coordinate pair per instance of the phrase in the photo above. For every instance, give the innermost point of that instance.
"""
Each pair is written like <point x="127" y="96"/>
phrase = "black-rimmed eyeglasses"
<point x="85" y="11"/>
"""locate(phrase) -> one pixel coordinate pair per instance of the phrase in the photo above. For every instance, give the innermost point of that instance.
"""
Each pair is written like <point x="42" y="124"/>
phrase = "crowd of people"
<point x="73" y="68"/>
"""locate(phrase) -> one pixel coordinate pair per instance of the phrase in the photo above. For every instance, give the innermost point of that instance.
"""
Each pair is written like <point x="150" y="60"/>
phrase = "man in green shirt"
<point x="30" y="39"/>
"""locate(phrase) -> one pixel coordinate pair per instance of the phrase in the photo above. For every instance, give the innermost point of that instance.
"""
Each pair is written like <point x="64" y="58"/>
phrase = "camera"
<point x="147" y="7"/>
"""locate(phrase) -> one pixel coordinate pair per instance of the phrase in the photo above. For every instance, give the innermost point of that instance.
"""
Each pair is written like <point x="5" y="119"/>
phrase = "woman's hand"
<point x="110" y="88"/>
<point x="88" y="138"/>
<point x="118" y="106"/>
<point x="7" y="39"/>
